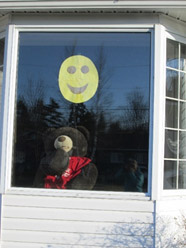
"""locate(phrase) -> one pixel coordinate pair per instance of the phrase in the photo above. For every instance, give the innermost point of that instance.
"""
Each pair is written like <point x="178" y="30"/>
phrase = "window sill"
<point x="79" y="194"/>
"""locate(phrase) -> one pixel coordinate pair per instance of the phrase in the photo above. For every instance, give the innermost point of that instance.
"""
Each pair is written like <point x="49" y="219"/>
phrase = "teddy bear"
<point x="64" y="165"/>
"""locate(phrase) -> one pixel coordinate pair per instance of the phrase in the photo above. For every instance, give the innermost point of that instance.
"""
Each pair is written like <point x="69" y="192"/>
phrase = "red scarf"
<point x="74" y="168"/>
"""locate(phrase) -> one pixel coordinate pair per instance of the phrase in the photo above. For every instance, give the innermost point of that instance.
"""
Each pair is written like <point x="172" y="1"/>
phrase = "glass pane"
<point x="183" y="58"/>
<point x="170" y="174"/>
<point x="1" y="76"/>
<point x="172" y="54"/>
<point x="171" y="140"/>
<point x="99" y="81"/>
<point x="182" y="175"/>
<point x="1" y="67"/>
<point x="171" y="114"/>
<point x="172" y="84"/>
<point x="182" y="145"/>
<point x="183" y="115"/>
<point x="1" y="51"/>
<point x="183" y="86"/>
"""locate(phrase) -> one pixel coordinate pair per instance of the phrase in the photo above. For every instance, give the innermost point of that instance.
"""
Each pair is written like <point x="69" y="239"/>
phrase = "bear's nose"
<point x="61" y="139"/>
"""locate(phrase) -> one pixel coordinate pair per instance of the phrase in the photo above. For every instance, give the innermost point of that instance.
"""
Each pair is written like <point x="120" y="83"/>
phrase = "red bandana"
<point x="74" y="168"/>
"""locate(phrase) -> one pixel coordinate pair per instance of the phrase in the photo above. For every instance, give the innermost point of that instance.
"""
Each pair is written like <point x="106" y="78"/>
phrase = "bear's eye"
<point x="61" y="139"/>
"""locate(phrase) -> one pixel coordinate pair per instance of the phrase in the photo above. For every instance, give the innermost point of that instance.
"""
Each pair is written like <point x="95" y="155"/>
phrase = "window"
<point x="1" y="66"/>
<point x="116" y="114"/>
<point x="175" y="129"/>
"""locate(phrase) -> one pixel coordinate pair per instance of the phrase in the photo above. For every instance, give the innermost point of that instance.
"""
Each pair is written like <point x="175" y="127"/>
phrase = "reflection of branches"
<point x="136" y="114"/>
<point x="102" y="98"/>
<point x="34" y="92"/>
<point x="33" y="117"/>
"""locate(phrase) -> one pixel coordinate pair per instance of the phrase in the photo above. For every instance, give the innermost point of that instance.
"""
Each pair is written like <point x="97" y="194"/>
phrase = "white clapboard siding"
<point x="78" y="203"/>
<point x="172" y="205"/>
<point x="76" y="215"/>
<point x="78" y="239"/>
<point x="57" y="222"/>
<point x="78" y="226"/>
<point x="40" y="245"/>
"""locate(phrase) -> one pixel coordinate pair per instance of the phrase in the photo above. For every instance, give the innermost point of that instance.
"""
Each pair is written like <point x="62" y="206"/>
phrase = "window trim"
<point x="2" y="167"/>
<point x="9" y="106"/>
<point x="158" y="112"/>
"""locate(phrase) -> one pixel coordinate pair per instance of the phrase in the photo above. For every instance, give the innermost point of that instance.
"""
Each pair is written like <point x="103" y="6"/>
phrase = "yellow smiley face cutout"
<point x="78" y="79"/>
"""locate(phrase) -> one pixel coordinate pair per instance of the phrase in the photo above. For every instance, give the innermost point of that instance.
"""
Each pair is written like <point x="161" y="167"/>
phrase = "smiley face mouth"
<point x="77" y="90"/>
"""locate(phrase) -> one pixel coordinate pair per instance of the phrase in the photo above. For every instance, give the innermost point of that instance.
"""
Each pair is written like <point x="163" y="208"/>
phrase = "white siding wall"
<point x="171" y="223"/>
<point x="53" y="222"/>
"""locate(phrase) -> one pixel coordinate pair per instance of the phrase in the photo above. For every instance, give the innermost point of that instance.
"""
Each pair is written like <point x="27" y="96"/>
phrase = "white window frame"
<point x="179" y="38"/>
<point x="3" y="35"/>
<point x="9" y="106"/>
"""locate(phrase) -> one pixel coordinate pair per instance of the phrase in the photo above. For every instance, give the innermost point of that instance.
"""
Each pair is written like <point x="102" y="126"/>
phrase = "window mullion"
<point x="178" y="150"/>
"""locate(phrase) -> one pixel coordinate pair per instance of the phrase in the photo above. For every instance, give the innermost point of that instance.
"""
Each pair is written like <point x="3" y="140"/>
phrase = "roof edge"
<point x="10" y="5"/>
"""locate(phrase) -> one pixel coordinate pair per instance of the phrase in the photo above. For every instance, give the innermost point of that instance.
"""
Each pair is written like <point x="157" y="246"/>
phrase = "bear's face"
<point x="69" y="139"/>
<point x="63" y="142"/>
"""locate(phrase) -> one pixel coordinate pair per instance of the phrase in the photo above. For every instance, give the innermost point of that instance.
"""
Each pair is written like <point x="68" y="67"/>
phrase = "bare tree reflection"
<point x="102" y="99"/>
<point x="137" y="111"/>
<point x="34" y="116"/>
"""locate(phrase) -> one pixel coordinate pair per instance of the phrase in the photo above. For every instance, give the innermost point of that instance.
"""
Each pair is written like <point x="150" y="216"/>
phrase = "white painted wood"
<point x="76" y="215"/>
<point x="39" y="222"/>
<point x="85" y="227"/>
<point x="117" y="239"/>
<point x="159" y="112"/>
<point x="3" y="25"/>
<point x="4" y="21"/>
<point x="171" y="205"/>
<point x="0" y="216"/>
<point x="172" y="25"/>
<point x="22" y="5"/>
<point x="79" y="194"/>
<point x="40" y="245"/>
<point x="90" y="20"/>
<point x="4" y="113"/>
<point x="73" y="203"/>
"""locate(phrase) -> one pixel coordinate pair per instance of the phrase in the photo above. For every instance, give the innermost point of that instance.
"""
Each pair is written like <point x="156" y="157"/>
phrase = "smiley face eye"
<point x="84" y="69"/>
<point x="71" y="69"/>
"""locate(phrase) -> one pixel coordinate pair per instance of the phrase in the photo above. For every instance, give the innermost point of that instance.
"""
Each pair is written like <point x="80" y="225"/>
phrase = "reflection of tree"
<point x="34" y="116"/>
<point x="80" y="115"/>
<point x="102" y="99"/>
<point x="136" y="114"/>
<point x="92" y="117"/>
<point x="34" y="92"/>
<point x="115" y="127"/>
<point x="124" y="138"/>
<point x="54" y="117"/>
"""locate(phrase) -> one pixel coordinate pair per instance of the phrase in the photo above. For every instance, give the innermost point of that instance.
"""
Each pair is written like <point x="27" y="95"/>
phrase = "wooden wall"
<point x="53" y="222"/>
